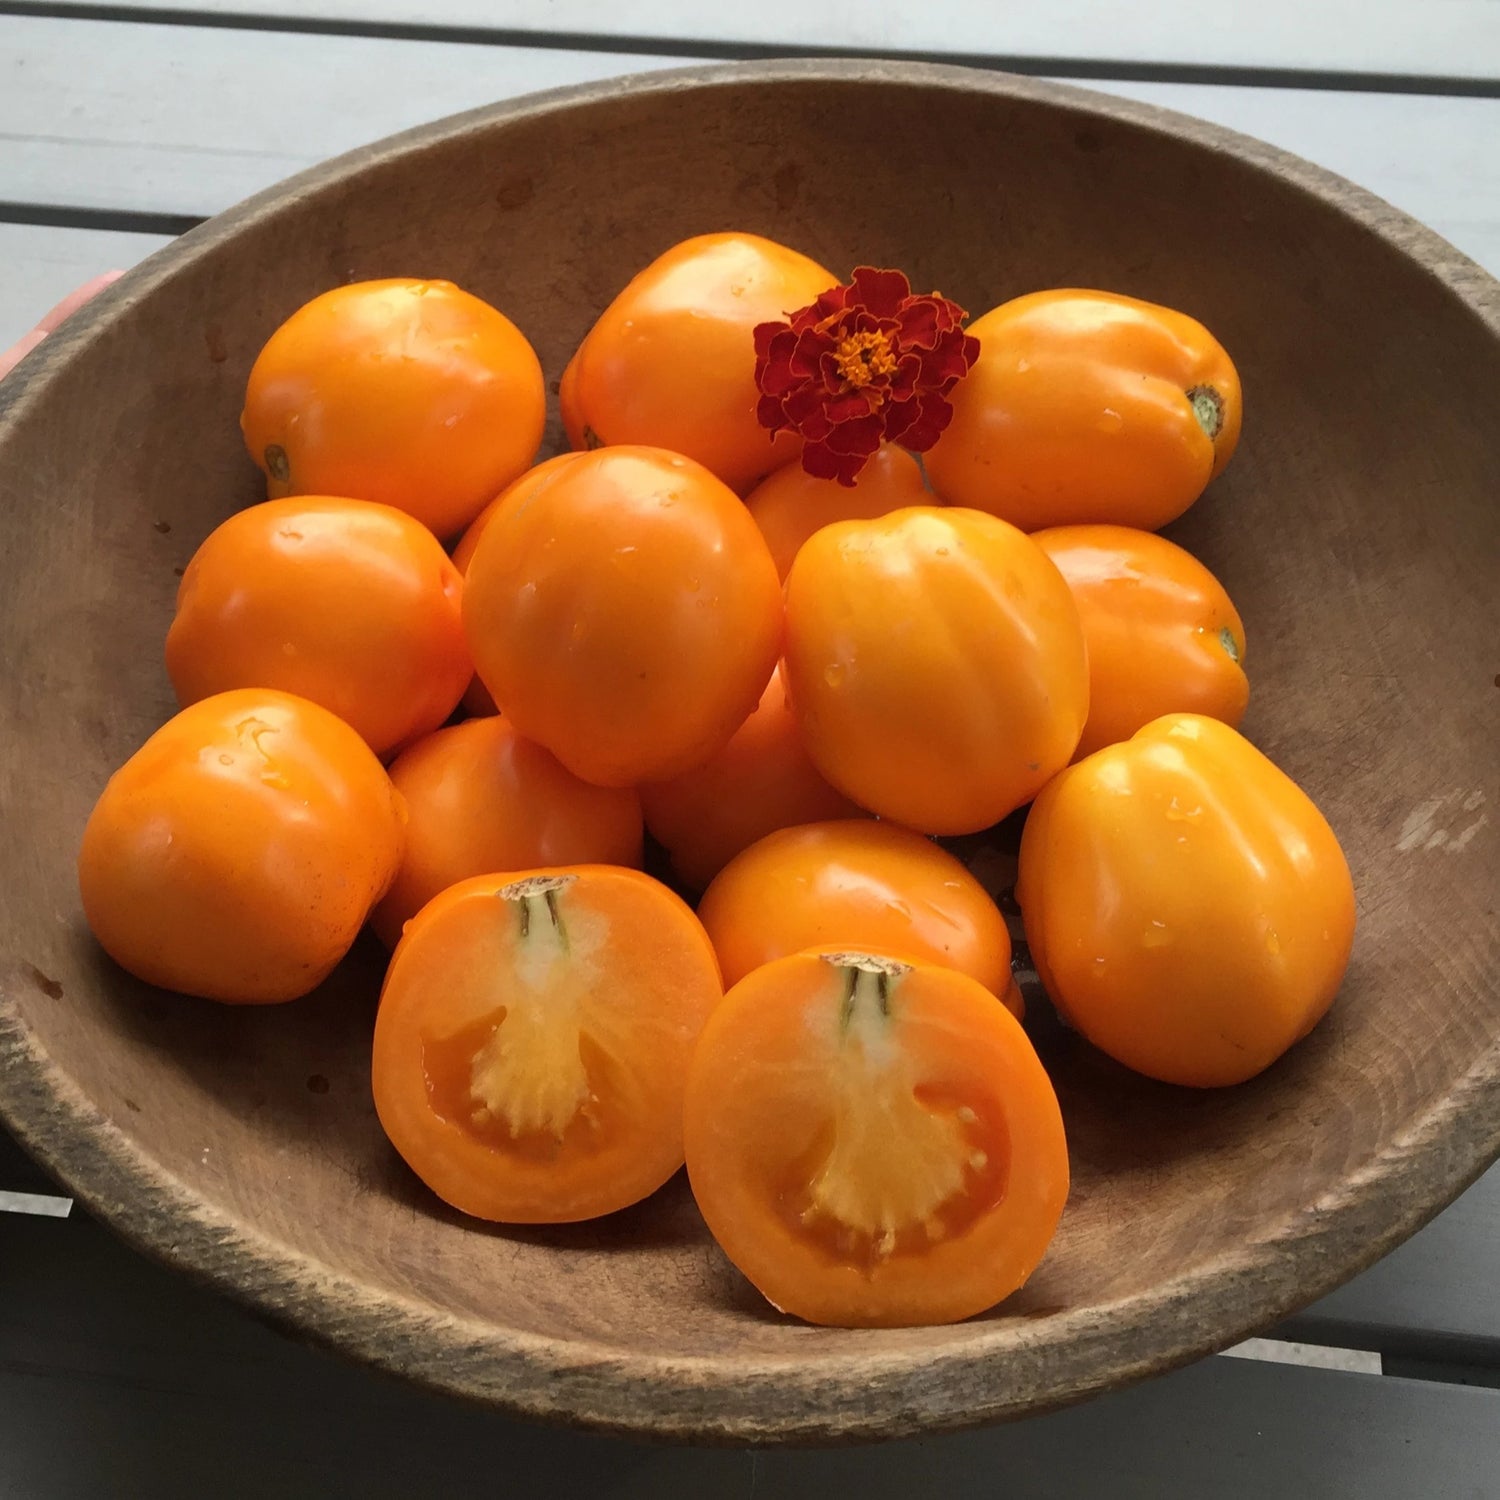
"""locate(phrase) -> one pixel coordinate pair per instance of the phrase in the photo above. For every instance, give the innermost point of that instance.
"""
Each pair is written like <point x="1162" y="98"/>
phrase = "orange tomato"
<point x="480" y="798"/>
<point x="854" y="884"/>
<point x="412" y="393"/>
<point x="1187" y="907"/>
<point x="791" y="504"/>
<point x="760" y="781"/>
<point x="671" y="361"/>
<point x="624" y="612"/>
<point x="350" y="604"/>
<point x="238" y="852"/>
<point x="873" y="1144"/>
<point x="936" y="662"/>
<point x="1163" y="636"/>
<point x="532" y="1041"/>
<point x="1088" y="406"/>
<point x="476" y="699"/>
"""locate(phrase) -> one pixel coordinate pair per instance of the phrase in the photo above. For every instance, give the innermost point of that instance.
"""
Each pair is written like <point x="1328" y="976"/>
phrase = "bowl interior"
<point x="1356" y="530"/>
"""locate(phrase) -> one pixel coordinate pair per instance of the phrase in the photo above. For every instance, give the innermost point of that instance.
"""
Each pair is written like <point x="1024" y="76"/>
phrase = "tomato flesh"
<point x="533" y="1038"/>
<point x="872" y="1141"/>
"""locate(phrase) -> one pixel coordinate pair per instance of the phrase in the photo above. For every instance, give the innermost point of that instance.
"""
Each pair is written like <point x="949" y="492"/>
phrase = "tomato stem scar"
<point x="864" y="972"/>
<point x="524" y="894"/>
<point x="1208" y="408"/>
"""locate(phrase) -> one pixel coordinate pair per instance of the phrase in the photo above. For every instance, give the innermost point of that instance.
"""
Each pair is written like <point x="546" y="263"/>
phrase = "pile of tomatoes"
<point x="741" y="616"/>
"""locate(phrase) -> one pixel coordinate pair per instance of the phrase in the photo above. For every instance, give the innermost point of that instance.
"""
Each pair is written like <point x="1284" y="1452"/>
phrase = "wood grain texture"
<point x="183" y="1396"/>
<point x="1458" y="38"/>
<point x="1435" y="1297"/>
<point x="1356" y="529"/>
<point x="173" y="119"/>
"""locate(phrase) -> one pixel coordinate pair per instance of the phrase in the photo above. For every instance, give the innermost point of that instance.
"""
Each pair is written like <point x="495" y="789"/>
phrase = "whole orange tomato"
<point x="625" y="613"/>
<point x="1188" y="908"/>
<point x="239" y="851"/>
<point x="760" y="781"/>
<point x="854" y="884"/>
<point x="353" y="605"/>
<point x="791" y="504"/>
<point x="481" y="799"/>
<point x="412" y="393"/>
<point x="1088" y="406"/>
<point x="476" y="699"/>
<point x="1163" y="636"/>
<point x="671" y="361"/>
<point x="936" y="662"/>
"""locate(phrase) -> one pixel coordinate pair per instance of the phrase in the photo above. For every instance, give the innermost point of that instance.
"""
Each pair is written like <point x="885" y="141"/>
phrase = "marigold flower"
<point x="866" y="363"/>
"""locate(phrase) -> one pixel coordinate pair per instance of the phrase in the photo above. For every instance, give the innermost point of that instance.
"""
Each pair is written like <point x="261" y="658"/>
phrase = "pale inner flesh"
<point x="894" y="1162"/>
<point x="530" y="1075"/>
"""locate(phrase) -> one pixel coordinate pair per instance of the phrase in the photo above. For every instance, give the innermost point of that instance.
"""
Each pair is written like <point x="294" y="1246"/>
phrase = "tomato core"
<point x="527" y="1077"/>
<point x="896" y="1165"/>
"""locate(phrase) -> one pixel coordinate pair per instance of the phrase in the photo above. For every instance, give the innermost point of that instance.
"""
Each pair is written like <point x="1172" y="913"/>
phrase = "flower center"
<point x="864" y="357"/>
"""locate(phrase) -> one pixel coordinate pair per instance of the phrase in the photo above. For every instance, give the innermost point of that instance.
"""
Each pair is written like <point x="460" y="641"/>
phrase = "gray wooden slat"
<point x="175" y="119"/>
<point x="119" y="1379"/>
<point x="43" y="264"/>
<point x="1459" y="38"/>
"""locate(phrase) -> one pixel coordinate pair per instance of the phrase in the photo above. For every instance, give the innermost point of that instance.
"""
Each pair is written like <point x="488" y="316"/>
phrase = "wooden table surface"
<point x="122" y="125"/>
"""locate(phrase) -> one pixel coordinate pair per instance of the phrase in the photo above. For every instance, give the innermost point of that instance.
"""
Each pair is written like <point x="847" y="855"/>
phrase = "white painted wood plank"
<point x="1457" y="38"/>
<point x="175" y="120"/>
<point x="42" y="265"/>
<point x="43" y="1205"/>
<point x="117" y="1378"/>
<point x="1319" y="1356"/>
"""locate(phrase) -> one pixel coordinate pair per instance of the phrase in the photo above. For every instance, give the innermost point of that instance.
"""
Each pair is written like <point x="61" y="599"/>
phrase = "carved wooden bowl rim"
<point x="809" y="1395"/>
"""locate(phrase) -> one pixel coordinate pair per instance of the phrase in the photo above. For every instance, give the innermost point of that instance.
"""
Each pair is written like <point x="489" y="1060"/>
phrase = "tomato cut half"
<point x="873" y="1143"/>
<point x="532" y="1041"/>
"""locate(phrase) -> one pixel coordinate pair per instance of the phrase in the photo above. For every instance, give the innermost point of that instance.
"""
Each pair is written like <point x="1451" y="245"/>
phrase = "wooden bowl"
<point x="1357" y="530"/>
